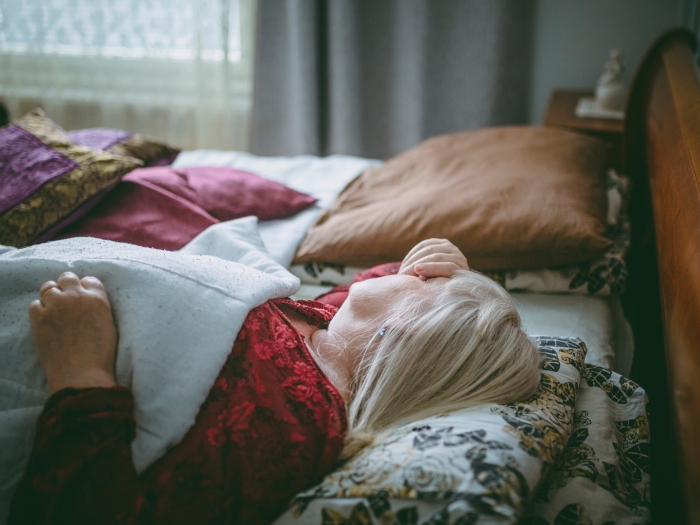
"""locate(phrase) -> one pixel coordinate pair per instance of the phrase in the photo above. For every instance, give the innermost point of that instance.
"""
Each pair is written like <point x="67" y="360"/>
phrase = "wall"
<point x="573" y="37"/>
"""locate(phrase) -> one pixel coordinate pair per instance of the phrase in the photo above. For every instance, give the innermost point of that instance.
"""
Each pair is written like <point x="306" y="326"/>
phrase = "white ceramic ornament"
<point x="610" y="92"/>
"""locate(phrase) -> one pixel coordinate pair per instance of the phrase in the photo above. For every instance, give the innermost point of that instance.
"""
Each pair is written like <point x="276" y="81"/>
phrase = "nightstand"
<point x="561" y="114"/>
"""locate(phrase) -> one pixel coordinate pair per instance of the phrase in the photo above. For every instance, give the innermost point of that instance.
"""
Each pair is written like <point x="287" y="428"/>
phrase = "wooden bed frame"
<point x="662" y="155"/>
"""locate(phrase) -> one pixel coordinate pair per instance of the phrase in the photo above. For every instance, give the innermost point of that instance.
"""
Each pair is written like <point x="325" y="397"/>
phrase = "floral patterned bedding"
<point x="603" y="475"/>
<point x="576" y="453"/>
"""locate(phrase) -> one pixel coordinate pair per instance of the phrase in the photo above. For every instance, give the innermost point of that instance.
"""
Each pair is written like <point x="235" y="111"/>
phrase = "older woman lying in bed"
<point x="432" y="339"/>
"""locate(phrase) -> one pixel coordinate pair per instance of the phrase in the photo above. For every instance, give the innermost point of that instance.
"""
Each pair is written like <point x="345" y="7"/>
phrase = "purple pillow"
<point x="26" y="164"/>
<point x="45" y="178"/>
<point x="227" y="193"/>
<point x="151" y="152"/>
<point x="98" y="138"/>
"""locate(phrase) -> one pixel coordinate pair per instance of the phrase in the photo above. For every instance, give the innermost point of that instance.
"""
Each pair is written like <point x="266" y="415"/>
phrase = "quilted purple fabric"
<point x="98" y="138"/>
<point x="26" y="164"/>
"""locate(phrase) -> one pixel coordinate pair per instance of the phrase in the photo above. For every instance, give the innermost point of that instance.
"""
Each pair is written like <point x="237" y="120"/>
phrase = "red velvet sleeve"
<point x="80" y="470"/>
<point x="272" y="425"/>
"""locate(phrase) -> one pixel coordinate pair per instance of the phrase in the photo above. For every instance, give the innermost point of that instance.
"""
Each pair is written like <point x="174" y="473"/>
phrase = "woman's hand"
<point x="433" y="258"/>
<point x="74" y="333"/>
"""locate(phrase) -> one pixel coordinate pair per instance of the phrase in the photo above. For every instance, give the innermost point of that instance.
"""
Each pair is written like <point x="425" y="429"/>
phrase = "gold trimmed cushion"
<point x="145" y="149"/>
<point x="58" y="197"/>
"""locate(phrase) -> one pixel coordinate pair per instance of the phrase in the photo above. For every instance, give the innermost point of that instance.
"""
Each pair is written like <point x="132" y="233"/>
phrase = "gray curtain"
<point x="690" y="18"/>
<point x="375" y="77"/>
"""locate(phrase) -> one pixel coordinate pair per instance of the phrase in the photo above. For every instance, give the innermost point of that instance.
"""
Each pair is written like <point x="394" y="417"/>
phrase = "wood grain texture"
<point x="673" y="146"/>
<point x="662" y="142"/>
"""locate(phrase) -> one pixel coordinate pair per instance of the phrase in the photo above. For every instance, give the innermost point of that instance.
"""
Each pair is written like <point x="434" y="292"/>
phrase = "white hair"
<point x="463" y="348"/>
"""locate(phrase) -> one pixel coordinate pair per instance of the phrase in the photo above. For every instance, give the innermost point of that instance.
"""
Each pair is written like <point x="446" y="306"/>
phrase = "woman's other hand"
<point x="433" y="258"/>
<point x="74" y="333"/>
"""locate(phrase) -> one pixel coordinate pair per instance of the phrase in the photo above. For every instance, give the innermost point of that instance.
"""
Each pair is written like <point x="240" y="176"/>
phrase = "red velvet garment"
<point x="271" y="426"/>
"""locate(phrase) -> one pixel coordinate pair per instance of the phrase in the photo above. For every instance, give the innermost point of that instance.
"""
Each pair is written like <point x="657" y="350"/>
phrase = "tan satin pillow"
<point x="508" y="197"/>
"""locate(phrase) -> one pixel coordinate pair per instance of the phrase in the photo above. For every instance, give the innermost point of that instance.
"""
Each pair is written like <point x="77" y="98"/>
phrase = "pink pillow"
<point x="227" y="193"/>
<point x="143" y="214"/>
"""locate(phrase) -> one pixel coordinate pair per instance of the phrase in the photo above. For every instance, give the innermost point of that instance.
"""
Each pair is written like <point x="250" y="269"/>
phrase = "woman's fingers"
<point x="50" y="296"/>
<point x="433" y="258"/>
<point x="45" y="288"/>
<point x="92" y="282"/>
<point x="74" y="333"/>
<point x="433" y="251"/>
<point x="421" y="253"/>
<point x="35" y="310"/>
<point x="68" y="280"/>
<point x="420" y="246"/>
<point x="436" y="269"/>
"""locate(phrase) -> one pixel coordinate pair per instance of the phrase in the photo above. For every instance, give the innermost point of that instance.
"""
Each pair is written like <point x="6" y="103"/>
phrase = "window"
<point x="186" y="63"/>
<point x="175" y="29"/>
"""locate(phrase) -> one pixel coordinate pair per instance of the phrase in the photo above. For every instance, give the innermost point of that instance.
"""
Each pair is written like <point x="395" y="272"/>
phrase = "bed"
<point x="661" y="304"/>
<point x="661" y="147"/>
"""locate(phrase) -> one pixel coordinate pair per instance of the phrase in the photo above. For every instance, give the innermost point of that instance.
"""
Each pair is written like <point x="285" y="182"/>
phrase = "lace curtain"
<point x="177" y="70"/>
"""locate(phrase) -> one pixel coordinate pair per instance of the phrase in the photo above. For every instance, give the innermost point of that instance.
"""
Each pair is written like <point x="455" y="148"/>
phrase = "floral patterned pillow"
<point x="479" y="465"/>
<point x="603" y="476"/>
<point x="44" y="177"/>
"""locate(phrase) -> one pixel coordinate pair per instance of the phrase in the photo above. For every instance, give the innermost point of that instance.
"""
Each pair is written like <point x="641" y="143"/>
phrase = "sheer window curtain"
<point x="176" y="70"/>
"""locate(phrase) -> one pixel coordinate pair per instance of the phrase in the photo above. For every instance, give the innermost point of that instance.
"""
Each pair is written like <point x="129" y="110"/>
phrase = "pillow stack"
<point x="165" y="207"/>
<point x="58" y="185"/>
<point x="577" y="452"/>
<point x="603" y="276"/>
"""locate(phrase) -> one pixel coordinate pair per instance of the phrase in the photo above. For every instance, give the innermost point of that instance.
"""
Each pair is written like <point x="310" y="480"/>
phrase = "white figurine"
<point x="610" y="92"/>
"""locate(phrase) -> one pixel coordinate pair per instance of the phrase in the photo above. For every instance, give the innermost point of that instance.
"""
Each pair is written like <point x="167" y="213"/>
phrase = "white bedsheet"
<point x="178" y="315"/>
<point x="598" y="321"/>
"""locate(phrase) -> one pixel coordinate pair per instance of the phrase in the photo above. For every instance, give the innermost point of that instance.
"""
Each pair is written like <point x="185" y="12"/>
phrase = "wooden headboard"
<point x="662" y="155"/>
